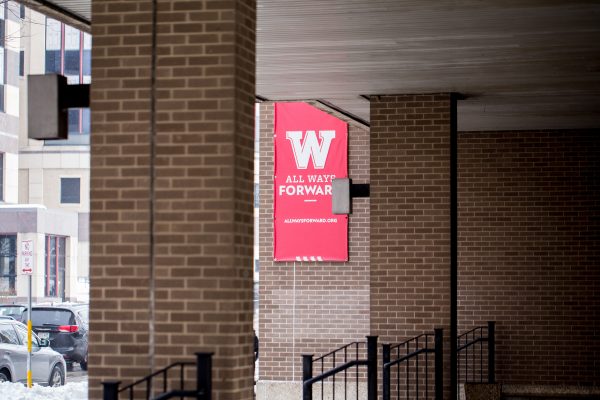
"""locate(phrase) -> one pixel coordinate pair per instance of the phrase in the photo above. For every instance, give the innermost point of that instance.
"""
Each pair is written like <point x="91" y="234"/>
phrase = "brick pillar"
<point x="199" y="272"/>
<point x="410" y="216"/>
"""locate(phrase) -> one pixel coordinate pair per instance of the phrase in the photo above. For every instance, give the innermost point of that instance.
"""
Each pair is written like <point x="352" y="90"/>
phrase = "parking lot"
<point x="77" y="375"/>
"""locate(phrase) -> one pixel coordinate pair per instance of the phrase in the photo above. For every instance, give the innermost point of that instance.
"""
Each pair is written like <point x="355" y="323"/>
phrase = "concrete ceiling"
<point x="522" y="64"/>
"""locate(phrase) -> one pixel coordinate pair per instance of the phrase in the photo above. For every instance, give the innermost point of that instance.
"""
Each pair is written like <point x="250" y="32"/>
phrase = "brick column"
<point x="410" y="216"/>
<point x="200" y="116"/>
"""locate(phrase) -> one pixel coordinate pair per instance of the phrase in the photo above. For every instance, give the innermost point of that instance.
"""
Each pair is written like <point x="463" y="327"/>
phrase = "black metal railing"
<point x="471" y="356"/>
<point x="203" y="390"/>
<point x="414" y="350"/>
<point x="341" y="361"/>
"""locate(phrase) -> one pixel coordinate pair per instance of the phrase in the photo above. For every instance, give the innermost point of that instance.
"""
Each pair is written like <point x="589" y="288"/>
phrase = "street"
<point x="77" y="375"/>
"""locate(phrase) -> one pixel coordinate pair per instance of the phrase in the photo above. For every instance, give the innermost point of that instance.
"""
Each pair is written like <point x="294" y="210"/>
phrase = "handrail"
<point x="411" y="340"/>
<point x="202" y="391"/>
<point x="180" y="393"/>
<point x="490" y="339"/>
<point x="471" y="343"/>
<point x="336" y="350"/>
<point x="471" y="331"/>
<point x="371" y="362"/>
<point x="388" y="363"/>
<point x="334" y="371"/>
<point x="152" y="375"/>
<point x="407" y="357"/>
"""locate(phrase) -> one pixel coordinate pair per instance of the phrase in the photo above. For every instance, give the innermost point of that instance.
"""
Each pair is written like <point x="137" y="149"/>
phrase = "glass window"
<point x="8" y="261"/>
<point x="72" y="66"/>
<point x="22" y="334"/>
<point x="84" y="315"/>
<point x="2" y="65"/>
<point x="53" y="34"/>
<point x="53" y="46"/>
<point x="74" y="120"/>
<point x="12" y="311"/>
<point x="2" y="30"/>
<point x="55" y="266"/>
<point x="85" y="121"/>
<point x="1" y="177"/>
<point x="87" y="58"/>
<point x="70" y="190"/>
<point x="51" y="316"/>
<point x="72" y="38"/>
<point x="2" y="54"/>
<point x="22" y="63"/>
<point x="68" y="52"/>
<point x="53" y="61"/>
<point x="8" y="334"/>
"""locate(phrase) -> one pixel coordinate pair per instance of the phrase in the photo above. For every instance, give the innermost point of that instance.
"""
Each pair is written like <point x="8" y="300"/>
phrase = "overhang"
<point x="522" y="64"/>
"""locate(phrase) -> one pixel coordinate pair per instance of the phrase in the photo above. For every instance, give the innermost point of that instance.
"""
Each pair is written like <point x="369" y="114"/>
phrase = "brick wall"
<point x="202" y="273"/>
<point x="529" y="250"/>
<point x="410" y="215"/>
<point x="330" y="304"/>
<point x="410" y="218"/>
<point x="119" y="235"/>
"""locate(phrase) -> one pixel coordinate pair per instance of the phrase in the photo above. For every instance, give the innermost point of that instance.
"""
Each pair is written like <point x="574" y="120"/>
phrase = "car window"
<point x="11" y="311"/>
<point x="22" y="332"/>
<point x="8" y="334"/>
<point x="51" y="316"/>
<point x="84" y="315"/>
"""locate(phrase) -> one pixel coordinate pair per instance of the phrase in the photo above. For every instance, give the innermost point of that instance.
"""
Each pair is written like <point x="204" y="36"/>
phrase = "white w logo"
<point x="303" y="151"/>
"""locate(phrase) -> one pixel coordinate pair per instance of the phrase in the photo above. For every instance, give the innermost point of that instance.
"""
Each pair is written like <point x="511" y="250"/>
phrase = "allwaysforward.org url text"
<point x="310" y="220"/>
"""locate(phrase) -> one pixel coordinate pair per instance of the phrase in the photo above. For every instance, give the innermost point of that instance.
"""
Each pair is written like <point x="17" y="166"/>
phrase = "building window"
<point x="22" y="63"/>
<point x="55" y="266"/>
<point x="3" y="9"/>
<point x="68" y="53"/>
<point x="8" y="261"/>
<point x="70" y="190"/>
<point x="1" y="177"/>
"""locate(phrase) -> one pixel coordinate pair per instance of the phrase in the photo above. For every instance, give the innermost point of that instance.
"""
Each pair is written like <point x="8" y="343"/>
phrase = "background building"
<point x="46" y="183"/>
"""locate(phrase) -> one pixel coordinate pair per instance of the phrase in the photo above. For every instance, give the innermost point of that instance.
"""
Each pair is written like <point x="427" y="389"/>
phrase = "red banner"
<point x="311" y="149"/>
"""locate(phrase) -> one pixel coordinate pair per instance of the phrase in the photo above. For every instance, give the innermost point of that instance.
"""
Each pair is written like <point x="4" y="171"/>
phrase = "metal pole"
<point x="491" y="352"/>
<point x="386" y="371"/>
<point x="29" y="380"/>
<point x="439" y="364"/>
<point x="204" y="375"/>
<point x="453" y="247"/>
<point x="372" y="367"/>
<point x="110" y="390"/>
<point x="306" y="375"/>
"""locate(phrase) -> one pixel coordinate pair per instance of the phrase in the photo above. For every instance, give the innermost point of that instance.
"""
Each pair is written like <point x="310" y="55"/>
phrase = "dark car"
<point x="66" y="327"/>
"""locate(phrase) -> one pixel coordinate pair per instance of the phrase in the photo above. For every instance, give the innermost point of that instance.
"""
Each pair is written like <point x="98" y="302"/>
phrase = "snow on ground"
<point x="18" y="391"/>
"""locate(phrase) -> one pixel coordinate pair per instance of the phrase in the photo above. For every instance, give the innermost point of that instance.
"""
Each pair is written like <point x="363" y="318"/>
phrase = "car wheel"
<point x="57" y="377"/>
<point x="69" y="367"/>
<point x="84" y="364"/>
<point x="3" y="377"/>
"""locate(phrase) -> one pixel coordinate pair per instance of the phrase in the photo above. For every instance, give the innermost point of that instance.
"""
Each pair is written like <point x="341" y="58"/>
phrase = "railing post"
<point x="491" y="352"/>
<point x="439" y="364"/>
<point x="307" y="360"/>
<point x="110" y="390"/>
<point x="372" y="367"/>
<point x="386" y="371"/>
<point x="204" y="375"/>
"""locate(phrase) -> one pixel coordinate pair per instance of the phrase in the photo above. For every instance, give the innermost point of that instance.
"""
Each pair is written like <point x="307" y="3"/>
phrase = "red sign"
<point x="311" y="149"/>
